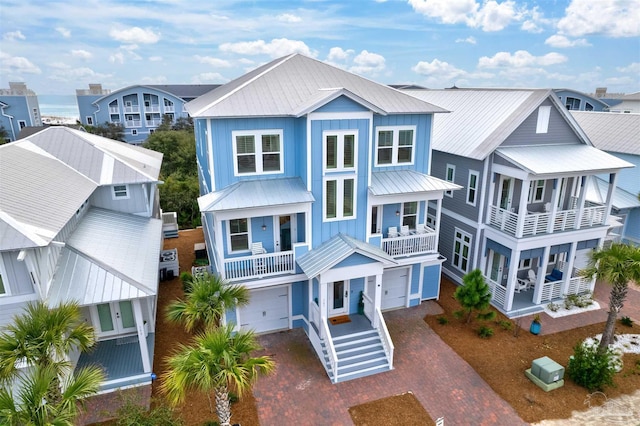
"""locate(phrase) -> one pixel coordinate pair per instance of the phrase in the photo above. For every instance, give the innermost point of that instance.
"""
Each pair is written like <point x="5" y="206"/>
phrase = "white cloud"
<point x="64" y="32"/>
<point x="535" y="21"/>
<point x="155" y="58"/>
<point x="17" y="64"/>
<point x="74" y="74"/>
<point x="117" y="58"/>
<point x="490" y="15"/>
<point x="437" y="68"/>
<point x="631" y="68"/>
<point x="470" y="40"/>
<point x="520" y="59"/>
<point x="82" y="54"/>
<point x="562" y="41"/>
<point x="59" y="65"/>
<point x="129" y="47"/>
<point x="338" y="54"/>
<point x="13" y="36"/>
<point x="135" y="35"/>
<point x="208" y="77"/>
<point x="367" y="62"/>
<point x="275" y="48"/>
<point x="613" y="18"/>
<point x="214" y="62"/>
<point x="287" y="17"/>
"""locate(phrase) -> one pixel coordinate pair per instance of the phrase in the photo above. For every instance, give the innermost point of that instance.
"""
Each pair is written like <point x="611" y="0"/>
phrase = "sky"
<point x="57" y="47"/>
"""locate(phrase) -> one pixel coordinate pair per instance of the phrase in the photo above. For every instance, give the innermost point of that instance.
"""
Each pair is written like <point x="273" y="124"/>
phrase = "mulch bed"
<point x="402" y="409"/>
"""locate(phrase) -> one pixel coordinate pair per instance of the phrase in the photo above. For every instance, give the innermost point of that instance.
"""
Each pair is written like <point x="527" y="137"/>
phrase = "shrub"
<point x="590" y="368"/>
<point x="485" y="332"/>
<point x="553" y="307"/>
<point x="626" y="321"/>
<point x="186" y="279"/>
<point x="443" y="320"/>
<point x="487" y="316"/>
<point x="133" y="414"/>
<point x="459" y="314"/>
<point x="505" y="325"/>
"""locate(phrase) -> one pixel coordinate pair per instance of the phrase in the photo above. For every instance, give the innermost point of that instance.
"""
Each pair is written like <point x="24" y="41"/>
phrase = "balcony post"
<point x="555" y="196"/>
<point x="613" y="180"/>
<point x="322" y="296"/>
<point x="142" y="339"/>
<point x="219" y="252"/>
<point x="492" y="189"/>
<point x="437" y="227"/>
<point x="512" y="278"/>
<point x="522" y="206"/>
<point x="542" y="271"/>
<point x="567" y="274"/>
<point x="580" y="207"/>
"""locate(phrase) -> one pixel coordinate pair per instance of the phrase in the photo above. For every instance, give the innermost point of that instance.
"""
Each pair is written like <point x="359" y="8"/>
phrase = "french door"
<point x="115" y="318"/>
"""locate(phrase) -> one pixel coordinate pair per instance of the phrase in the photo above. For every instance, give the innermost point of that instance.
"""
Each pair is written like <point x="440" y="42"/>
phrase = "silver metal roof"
<point x="597" y="192"/>
<point x="110" y="256"/>
<point x="611" y="131"/>
<point x="480" y="119"/>
<point x="407" y="181"/>
<point x="256" y="193"/>
<point x="294" y="85"/>
<point x="335" y="250"/>
<point x="558" y="159"/>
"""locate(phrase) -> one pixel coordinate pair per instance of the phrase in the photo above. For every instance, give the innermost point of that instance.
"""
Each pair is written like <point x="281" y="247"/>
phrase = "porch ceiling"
<point x="559" y="159"/>
<point x="256" y="193"/>
<point x="407" y="182"/>
<point x="338" y="248"/>
<point x="110" y="256"/>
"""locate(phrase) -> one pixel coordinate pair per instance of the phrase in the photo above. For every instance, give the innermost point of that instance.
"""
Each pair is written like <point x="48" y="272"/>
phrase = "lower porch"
<point x="121" y="361"/>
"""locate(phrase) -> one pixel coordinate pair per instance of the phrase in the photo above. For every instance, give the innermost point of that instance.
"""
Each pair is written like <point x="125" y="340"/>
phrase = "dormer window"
<point x="257" y="152"/>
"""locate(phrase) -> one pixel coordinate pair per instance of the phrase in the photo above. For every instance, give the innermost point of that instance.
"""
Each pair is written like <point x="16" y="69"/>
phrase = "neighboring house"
<point x="578" y="101"/>
<point x="79" y="221"/>
<point x="629" y="104"/>
<point x="138" y="108"/>
<point x="19" y="108"/>
<point x="619" y="135"/>
<point x="523" y="219"/>
<point x="316" y="196"/>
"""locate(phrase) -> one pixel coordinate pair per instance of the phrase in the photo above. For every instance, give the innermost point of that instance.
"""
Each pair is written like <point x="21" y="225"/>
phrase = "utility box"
<point x="547" y="370"/>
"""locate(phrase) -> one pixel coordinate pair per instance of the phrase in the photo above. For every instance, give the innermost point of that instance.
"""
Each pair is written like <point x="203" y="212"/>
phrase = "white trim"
<point x="453" y="178"/>
<point x="309" y="186"/>
<point x="257" y="134"/>
<point x="475" y="188"/>
<point x="228" y="234"/>
<point x="462" y="245"/>
<point x="533" y="186"/>
<point x="209" y="149"/>
<point x="395" y="138"/>
<point x="340" y="134"/>
<point x="5" y="282"/>
<point x="114" y="192"/>
<point x="356" y="115"/>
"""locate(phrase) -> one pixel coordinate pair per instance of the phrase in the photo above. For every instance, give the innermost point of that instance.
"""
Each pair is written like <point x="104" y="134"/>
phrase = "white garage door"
<point x="268" y="310"/>
<point x="394" y="288"/>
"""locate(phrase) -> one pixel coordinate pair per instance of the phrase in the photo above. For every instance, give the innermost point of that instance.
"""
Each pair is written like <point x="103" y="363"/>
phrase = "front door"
<point x="338" y="298"/>
<point x="497" y="267"/>
<point x="506" y="192"/>
<point x="284" y="232"/>
<point x="115" y="318"/>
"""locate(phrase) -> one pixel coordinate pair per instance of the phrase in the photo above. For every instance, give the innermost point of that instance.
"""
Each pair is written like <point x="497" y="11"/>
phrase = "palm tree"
<point x="616" y="265"/>
<point x="217" y="359"/>
<point x="31" y="405"/>
<point x="203" y="307"/>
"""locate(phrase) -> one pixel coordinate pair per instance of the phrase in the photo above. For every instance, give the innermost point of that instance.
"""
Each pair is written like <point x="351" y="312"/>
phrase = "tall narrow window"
<point x="340" y="150"/>
<point x="239" y="234"/>
<point x="347" y="198"/>
<point x="472" y="187"/>
<point x="536" y="191"/>
<point x="331" y="199"/>
<point x="339" y="198"/>
<point x="405" y="146"/>
<point x="450" y="177"/>
<point x="270" y="153"/>
<point x="331" y="145"/>
<point x="461" y="250"/>
<point x="410" y="214"/>
<point x="374" y="220"/>
<point x="246" y="150"/>
<point x="385" y="147"/>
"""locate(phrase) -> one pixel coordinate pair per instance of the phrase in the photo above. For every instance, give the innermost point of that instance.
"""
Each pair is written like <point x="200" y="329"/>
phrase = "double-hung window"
<point x="472" y="187"/>
<point x="450" y="177"/>
<point x="410" y="214"/>
<point x="395" y="145"/>
<point x="536" y="191"/>
<point x="461" y="250"/>
<point x="120" y="192"/>
<point x="339" y="167"/>
<point x="238" y="234"/>
<point x="257" y="152"/>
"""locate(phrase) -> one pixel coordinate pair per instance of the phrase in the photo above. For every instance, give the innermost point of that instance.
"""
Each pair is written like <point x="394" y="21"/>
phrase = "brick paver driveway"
<point x="300" y="393"/>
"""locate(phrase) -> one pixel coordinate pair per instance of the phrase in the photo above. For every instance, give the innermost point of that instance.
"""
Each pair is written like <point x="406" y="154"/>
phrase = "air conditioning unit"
<point x="547" y="370"/>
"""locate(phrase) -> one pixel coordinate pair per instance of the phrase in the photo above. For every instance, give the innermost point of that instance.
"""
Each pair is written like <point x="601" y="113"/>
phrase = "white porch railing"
<point x="551" y="290"/>
<point x="410" y="244"/>
<point x="331" y="352"/>
<point x="579" y="285"/>
<point x="169" y="108"/>
<point x="133" y="123"/>
<point x="385" y="338"/>
<point x="131" y="109"/>
<point x="152" y="108"/>
<point x="114" y="110"/>
<point x="369" y="307"/>
<point x="153" y="123"/>
<point x="314" y="314"/>
<point x="504" y="220"/>
<point x="498" y="292"/>
<point x="592" y="216"/>
<point x="258" y="266"/>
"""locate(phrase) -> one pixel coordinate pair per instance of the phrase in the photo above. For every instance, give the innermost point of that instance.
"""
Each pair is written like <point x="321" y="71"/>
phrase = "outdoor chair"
<point x="393" y="232"/>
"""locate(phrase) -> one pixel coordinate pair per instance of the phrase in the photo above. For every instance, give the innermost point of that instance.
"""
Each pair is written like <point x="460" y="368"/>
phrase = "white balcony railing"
<point x="258" y="266"/>
<point x="114" y="110"/>
<point x="551" y="290"/>
<point x="153" y="123"/>
<point x="133" y="123"/>
<point x="168" y="108"/>
<point x="314" y="315"/>
<point x="132" y="109"/>
<point x="498" y="292"/>
<point x="152" y="108"/>
<point x="413" y="244"/>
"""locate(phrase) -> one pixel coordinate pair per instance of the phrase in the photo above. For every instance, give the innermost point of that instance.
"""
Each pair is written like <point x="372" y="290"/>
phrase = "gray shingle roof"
<point x="290" y="85"/>
<point x="611" y="131"/>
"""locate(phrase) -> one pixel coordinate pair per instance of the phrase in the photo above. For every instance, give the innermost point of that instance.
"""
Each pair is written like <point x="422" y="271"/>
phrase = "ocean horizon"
<point x="58" y="106"/>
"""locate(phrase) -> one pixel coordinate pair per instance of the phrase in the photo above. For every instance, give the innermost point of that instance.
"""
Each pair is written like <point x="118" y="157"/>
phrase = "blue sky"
<point x="57" y="47"/>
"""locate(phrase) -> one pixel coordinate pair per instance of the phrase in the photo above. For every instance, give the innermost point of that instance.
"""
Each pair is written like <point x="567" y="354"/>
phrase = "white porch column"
<point x="438" y="212"/>
<point x="322" y="297"/>
<point x="142" y="339"/>
<point x="512" y="279"/>
<point x="377" y="301"/>
<point x="580" y="207"/>
<point x="307" y="226"/>
<point x="219" y="253"/>
<point x="492" y="189"/>
<point x="522" y="206"/>
<point x="568" y="269"/>
<point x="542" y="271"/>
<point x="555" y="196"/>
<point x="613" y="180"/>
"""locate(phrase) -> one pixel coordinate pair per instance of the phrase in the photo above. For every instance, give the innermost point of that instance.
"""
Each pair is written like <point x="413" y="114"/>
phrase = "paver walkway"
<point x="300" y="392"/>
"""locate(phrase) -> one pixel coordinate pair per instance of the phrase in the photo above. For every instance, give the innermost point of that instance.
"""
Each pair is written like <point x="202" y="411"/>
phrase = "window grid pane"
<point x="404" y="155"/>
<point x="347" y="207"/>
<point x="349" y="155"/>
<point x="405" y="138"/>
<point x="270" y="143"/>
<point x="271" y="162"/>
<point x="245" y="144"/>
<point x="332" y="151"/>
<point x="331" y="198"/>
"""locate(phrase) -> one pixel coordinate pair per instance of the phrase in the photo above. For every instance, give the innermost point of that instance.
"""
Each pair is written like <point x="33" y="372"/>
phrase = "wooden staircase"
<point x="359" y="354"/>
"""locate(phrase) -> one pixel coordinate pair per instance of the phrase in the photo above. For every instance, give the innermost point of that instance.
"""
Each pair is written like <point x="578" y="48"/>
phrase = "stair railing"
<point x="385" y="338"/>
<point x="331" y="351"/>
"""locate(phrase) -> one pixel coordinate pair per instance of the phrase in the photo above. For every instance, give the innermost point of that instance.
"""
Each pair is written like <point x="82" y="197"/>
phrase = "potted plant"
<point x="535" y="325"/>
<point x="361" y="304"/>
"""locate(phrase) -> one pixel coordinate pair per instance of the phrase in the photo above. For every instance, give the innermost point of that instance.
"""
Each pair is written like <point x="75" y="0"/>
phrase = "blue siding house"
<point x="138" y="108"/>
<point x="316" y="195"/>
<point x="574" y="100"/>
<point x="19" y="108"/>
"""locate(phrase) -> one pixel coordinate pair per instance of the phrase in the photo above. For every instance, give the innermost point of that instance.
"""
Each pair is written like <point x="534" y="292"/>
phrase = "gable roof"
<point x="292" y="85"/>
<point x="46" y="177"/>
<point x="610" y="131"/>
<point x="481" y="119"/>
<point x="335" y="250"/>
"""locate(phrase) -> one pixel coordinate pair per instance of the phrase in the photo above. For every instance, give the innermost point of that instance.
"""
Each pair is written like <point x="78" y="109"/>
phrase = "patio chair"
<point x="393" y="232"/>
<point x="404" y="230"/>
<point x="421" y="228"/>
<point x="259" y="265"/>
<point x="256" y="248"/>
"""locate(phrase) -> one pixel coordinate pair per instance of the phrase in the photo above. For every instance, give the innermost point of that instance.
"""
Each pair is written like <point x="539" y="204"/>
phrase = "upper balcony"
<point x="152" y="108"/>
<point x="114" y="110"/>
<point x="132" y="109"/>
<point x="410" y="242"/>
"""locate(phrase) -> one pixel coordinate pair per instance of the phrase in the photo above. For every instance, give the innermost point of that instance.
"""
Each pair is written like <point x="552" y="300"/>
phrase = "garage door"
<point x="394" y="288"/>
<point x="268" y="310"/>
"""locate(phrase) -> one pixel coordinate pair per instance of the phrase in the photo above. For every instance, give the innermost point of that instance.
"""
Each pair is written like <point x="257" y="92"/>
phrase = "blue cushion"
<point x="555" y="275"/>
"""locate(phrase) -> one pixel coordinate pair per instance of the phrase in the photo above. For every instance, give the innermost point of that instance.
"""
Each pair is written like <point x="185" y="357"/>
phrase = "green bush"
<point x="133" y="414"/>
<point x="485" y="332"/>
<point x="626" y="321"/>
<point x="443" y="320"/>
<point x="505" y="325"/>
<point x="186" y="279"/>
<point x="487" y="316"/>
<point x="590" y="368"/>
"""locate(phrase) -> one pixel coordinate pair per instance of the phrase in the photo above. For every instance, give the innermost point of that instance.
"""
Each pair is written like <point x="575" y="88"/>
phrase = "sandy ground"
<point x="624" y="410"/>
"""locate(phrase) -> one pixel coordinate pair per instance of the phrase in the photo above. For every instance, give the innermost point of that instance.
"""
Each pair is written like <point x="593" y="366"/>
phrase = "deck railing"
<point x="314" y="314"/>
<point x="134" y="109"/>
<point x="408" y="245"/>
<point x="498" y="292"/>
<point x="331" y="352"/>
<point x="551" y="290"/>
<point x="258" y="266"/>
<point x="114" y="110"/>
<point x="385" y="337"/>
<point x="369" y="307"/>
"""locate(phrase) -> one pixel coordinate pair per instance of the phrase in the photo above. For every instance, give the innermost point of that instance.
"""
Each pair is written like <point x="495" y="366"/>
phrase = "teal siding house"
<point x="316" y="195"/>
